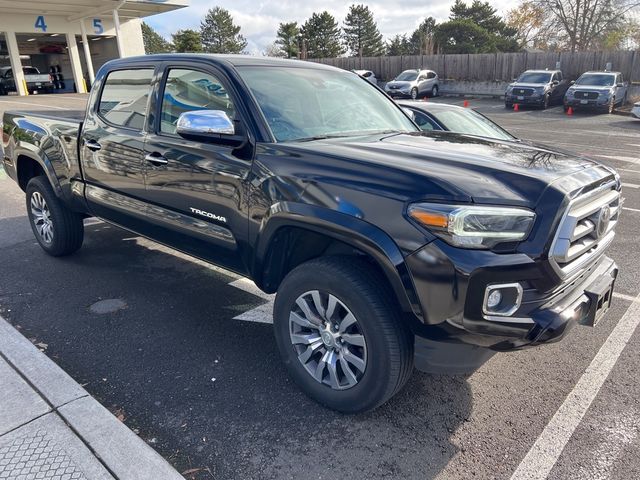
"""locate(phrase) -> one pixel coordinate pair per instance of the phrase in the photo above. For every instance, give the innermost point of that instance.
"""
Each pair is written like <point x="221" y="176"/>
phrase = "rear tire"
<point x="434" y="91"/>
<point x="374" y="344"/>
<point x="59" y="231"/>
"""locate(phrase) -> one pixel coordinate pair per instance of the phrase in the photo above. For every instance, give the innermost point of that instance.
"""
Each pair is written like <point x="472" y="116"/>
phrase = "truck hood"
<point x="528" y="85"/>
<point x="448" y="166"/>
<point x="594" y="88"/>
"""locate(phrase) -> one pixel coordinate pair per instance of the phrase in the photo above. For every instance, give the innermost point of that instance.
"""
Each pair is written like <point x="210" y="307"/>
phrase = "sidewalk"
<point x="51" y="428"/>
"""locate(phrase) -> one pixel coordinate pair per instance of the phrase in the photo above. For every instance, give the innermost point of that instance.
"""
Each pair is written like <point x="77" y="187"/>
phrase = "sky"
<point x="259" y="19"/>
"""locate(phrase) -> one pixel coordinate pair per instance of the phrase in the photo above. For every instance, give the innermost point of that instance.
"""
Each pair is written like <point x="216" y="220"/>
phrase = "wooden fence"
<point x="494" y="66"/>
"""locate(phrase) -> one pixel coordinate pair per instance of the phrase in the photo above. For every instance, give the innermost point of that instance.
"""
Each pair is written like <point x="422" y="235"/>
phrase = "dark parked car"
<point x="539" y="88"/>
<point x="597" y="90"/>
<point x="36" y="82"/>
<point x="432" y="116"/>
<point x="385" y="244"/>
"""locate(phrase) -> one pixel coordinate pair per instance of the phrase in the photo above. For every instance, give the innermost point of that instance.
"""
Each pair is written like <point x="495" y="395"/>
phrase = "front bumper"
<point x="586" y="103"/>
<point x="398" y="93"/>
<point x="635" y="112"/>
<point x="524" y="100"/>
<point x="452" y="299"/>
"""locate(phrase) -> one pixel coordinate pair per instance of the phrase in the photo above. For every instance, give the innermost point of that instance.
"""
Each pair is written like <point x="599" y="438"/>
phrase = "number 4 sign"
<point x="41" y="24"/>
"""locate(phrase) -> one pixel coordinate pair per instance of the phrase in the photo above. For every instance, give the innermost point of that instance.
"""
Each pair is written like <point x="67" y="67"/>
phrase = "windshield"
<point x="30" y="71"/>
<point x="534" y="77"/>
<point x="308" y="103"/>
<point x="470" y="122"/>
<point x="596" y="80"/>
<point x="407" y="76"/>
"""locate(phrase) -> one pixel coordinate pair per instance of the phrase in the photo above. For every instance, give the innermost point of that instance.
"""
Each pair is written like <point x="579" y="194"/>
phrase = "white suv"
<point x="414" y="84"/>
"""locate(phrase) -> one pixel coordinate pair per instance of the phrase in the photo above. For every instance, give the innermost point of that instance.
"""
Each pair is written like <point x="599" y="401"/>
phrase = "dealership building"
<point x="72" y="39"/>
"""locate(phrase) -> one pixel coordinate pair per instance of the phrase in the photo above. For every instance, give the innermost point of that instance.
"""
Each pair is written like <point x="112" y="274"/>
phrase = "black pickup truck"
<point x="386" y="245"/>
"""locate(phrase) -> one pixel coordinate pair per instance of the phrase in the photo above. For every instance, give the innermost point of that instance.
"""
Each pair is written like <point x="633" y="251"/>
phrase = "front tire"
<point x="414" y="93"/>
<point x="59" y="231"/>
<point x="340" y="334"/>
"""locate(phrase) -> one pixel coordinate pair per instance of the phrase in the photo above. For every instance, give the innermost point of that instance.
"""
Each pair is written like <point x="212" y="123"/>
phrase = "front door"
<point x="195" y="190"/>
<point x="112" y="148"/>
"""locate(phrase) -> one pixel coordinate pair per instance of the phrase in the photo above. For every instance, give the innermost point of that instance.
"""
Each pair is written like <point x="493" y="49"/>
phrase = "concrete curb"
<point x="120" y="450"/>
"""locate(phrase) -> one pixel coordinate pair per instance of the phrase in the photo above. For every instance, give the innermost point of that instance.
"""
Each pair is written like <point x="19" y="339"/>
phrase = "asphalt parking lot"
<point x="187" y="361"/>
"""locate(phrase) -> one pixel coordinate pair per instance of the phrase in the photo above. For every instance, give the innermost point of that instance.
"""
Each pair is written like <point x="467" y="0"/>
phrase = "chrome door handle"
<point x="92" y="145"/>
<point x="156" y="159"/>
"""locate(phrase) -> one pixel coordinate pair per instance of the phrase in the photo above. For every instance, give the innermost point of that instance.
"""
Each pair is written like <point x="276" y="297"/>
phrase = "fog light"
<point x="502" y="300"/>
<point x="494" y="299"/>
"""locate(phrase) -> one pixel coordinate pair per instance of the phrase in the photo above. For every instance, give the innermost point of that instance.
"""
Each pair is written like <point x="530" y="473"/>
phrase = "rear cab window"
<point x="123" y="102"/>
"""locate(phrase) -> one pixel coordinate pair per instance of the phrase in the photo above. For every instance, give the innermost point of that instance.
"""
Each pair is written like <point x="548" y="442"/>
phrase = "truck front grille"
<point x="524" y="92"/>
<point x="587" y="228"/>
<point x="587" y="95"/>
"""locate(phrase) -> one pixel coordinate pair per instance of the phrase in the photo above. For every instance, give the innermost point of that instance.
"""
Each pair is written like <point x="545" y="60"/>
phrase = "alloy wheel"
<point x="41" y="217"/>
<point x="328" y="340"/>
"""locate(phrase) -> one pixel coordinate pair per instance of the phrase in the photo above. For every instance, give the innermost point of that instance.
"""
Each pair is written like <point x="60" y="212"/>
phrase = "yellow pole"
<point x="84" y="82"/>
<point x="26" y="89"/>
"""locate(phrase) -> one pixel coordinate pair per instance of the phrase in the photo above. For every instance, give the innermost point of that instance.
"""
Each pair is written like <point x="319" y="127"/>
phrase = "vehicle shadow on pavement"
<point x="207" y="391"/>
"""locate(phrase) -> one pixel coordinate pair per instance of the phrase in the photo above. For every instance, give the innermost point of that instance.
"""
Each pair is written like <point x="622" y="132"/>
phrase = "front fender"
<point x="347" y="229"/>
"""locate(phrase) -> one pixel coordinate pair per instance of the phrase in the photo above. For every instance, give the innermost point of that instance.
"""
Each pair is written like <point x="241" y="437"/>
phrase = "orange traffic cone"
<point x="570" y="111"/>
<point x="516" y="107"/>
<point x="425" y="98"/>
<point x="466" y="103"/>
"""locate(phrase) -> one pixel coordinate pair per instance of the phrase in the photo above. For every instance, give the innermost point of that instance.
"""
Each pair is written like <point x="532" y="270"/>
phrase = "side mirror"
<point x="205" y="123"/>
<point x="212" y="125"/>
<point x="555" y="82"/>
<point x="620" y="84"/>
<point x="410" y="113"/>
<point x="572" y="82"/>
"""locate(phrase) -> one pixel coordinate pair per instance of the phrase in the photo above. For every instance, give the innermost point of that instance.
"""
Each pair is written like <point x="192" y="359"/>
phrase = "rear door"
<point x="112" y="146"/>
<point x="195" y="189"/>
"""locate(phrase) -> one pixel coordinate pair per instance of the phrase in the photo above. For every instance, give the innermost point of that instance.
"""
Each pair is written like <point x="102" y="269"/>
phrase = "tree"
<point x="584" y="24"/>
<point x="528" y="20"/>
<point x="153" y="42"/>
<point x="463" y="36"/>
<point x="287" y="39"/>
<point x="273" y="50"/>
<point x="485" y="16"/>
<point x="187" y="41"/>
<point x="422" y="38"/>
<point x="320" y="37"/>
<point x="361" y="34"/>
<point x="220" y="34"/>
<point x="399" y="45"/>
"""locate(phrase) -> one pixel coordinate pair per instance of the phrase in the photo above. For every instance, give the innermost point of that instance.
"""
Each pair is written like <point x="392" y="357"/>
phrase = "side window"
<point x="559" y="76"/>
<point x="366" y="74"/>
<point x="189" y="90"/>
<point x="424" y="122"/>
<point x="124" y="98"/>
<point x="620" y="80"/>
<point x="431" y="75"/>
<point x="555" y="78"/>
<point x="422" y="78"/>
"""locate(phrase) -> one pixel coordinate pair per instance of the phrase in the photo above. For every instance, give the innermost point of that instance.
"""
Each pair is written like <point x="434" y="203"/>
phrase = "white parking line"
<point x="31" y="104"/>
<point x="631" y="209"/>
<point x="622" y="296"/>
<point x="545" y="452"/>
<point x="630" y="185"/>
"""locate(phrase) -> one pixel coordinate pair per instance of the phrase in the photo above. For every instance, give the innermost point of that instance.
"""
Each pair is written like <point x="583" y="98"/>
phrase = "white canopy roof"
<point x="77" y="9"/>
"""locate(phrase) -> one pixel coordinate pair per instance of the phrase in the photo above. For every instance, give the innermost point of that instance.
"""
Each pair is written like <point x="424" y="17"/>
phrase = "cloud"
<point x="259" y="20"/>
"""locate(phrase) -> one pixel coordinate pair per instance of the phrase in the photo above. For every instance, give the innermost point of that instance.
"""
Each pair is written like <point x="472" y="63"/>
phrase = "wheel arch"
<point x="313" y="232"/>
<point x="28" y="165"/>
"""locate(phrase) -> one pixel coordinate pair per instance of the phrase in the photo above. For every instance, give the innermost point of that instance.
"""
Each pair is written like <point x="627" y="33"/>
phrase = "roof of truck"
<point x="234" y="60"/>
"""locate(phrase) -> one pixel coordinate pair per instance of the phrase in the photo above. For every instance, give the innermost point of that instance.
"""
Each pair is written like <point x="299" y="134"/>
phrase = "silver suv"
<point x="597" y="90"/>
<point x="414" y="84"/>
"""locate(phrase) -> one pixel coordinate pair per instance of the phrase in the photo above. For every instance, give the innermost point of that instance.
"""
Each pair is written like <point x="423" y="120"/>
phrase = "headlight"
<point x="474" y="226"/>
<point x="571" y="91"/>
<point x="605" y="94"/>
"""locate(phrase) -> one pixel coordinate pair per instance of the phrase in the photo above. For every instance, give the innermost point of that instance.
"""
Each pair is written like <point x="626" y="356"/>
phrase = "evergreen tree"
<point x="399" y="45"/>
<point x="220" y="34"/>
<point x="463" y="36"/>
<point x="361" y="34"/>
<point x="287" y="39"/>
<point x="504" y="37"/>
<point x="321" y="37"/>
<point x="422" y="42"/>
<point x="187" y="41"/>
<point x="153" y="42"/>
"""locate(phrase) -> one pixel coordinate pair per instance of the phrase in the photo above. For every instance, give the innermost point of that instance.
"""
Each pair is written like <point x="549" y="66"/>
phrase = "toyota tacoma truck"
<point x="388" y="247"/>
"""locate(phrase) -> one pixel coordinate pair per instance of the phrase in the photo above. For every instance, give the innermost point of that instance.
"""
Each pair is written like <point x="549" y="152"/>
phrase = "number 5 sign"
<point x="98" y="28"/>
